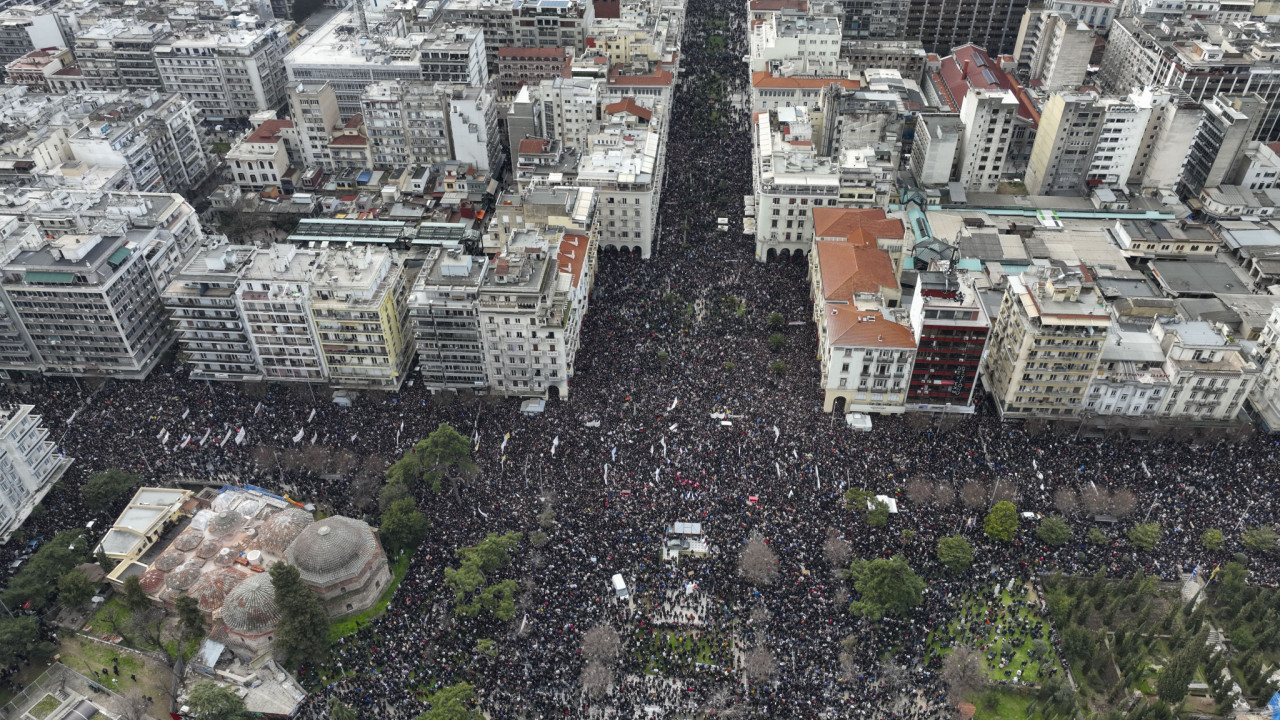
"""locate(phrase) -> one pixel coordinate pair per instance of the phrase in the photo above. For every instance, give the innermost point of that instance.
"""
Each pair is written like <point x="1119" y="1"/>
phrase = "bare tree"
<point x="133" y="705"/>
<point x="973" y="494"/>
<point x="596" y="679"/>
<point x="263" y="456"/>
<point x="315" y="459"/>
<point x="1122" y="502"/>
<point x="943" y="494"/>
<point x="963" y="671"/>
<point x="919" y="421"/>
<point x="760" y="615"/>
<point x="847" y="663"/>
<point x="1007" y="490"/>
<point x="837" y="552"/>
<point x="601" y="644"/>
<point x="373" y="465"/>
<point x="919" y="491"/>
<point x="1093" y="501"/>
<point x="365" y="491"/>
<point x="345" y="461"/>
<point x="894" y="676"/>
<point x="759" y="563"/>
<point x="1066" y="500"/>
<point x="759" y="665"/>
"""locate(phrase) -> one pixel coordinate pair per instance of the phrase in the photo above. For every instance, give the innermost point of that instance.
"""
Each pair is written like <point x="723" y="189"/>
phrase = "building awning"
<point x="65" y="278"/>
<point x="119" y="255"/>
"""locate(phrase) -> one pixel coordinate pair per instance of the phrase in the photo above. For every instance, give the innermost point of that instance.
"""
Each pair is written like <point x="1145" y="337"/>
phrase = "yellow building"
<point x="359" y="304"/>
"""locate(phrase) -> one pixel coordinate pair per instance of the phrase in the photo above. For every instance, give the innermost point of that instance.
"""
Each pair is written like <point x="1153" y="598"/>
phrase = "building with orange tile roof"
<point x="770" y="92"/>
<point x="865" y="351"/>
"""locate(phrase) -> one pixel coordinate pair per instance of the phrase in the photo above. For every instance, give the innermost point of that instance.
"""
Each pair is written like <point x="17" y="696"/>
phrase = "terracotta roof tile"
<point x="849" y="327"/>
<point x="764" y="79"/>
<point x="530" y="146"/>
<point x="349" y="140"/>
<point x="269" y="131"/>
<point x="356" y="121"/>
<point x="628" y="105"/>
<point x="848" y="269"/>
<point x="572" y="256"/>
<point x="830" y="222"/>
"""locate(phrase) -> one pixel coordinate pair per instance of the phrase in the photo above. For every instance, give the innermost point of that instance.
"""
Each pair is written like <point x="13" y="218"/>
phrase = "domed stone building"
<point x="250" y="613"/>
<point x="342" y="560"/>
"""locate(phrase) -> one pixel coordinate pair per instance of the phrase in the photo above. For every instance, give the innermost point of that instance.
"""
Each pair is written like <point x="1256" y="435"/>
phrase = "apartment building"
<point x="520" y="66"/>
<point x="275" y="295"/>
<point x="360" y="308"/>
<point x="407" y="123"/>
<point x="878" y="52"/>
<point x="1131" y="381"/>
<point x="29" y="467"/>
<point x="454" y="54"/>
<point x="24" y="28"/>
<point x="1055" y="47"/>
<point x="552" y="23"/>
<point x="260" y="159"/>
<point x="811" y="42"/>
<point x="206" y="314"/>
<point x="866" y="349"/>
<point x="789" y="179"/>
<point x="1209" y="375"/>
<point x="444" y="314"/>
<point x="313" y="108"/>
<point x="989" y="118"/>
<point x="154" y="136"/>
<point x="474" y="138"/>
<point x="1046" y="343"/>
<point x="947" y="85"/>
<point x="1230" y="122"/>
<point x="944" y="24"/>
<point x="228" y="72"/>
<point x="570" y="109"/>
<point x="950" y="327"/>
<point x="532" y="301"/>
<point x="1063" y="151"/>
<point x="1264" y="398"/>
<point x="625" y="163"/>
<point x="875" y="20"/>
<point x="88" y="304"/>
<point x="770" y="92"/>
<point x="934" y="149"/>
<point x="1151" y="240"/>
<point x="120" y="53"/>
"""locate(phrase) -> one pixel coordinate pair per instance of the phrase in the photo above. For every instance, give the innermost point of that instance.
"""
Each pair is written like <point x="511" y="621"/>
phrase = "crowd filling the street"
<point x="681" y="411"/>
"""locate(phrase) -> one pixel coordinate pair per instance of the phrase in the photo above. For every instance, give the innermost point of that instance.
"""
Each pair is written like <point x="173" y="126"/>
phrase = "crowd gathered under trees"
<point x="694" y="398"/>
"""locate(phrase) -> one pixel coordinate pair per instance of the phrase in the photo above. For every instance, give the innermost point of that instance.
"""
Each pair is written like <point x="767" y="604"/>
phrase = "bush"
<point x="1002" y="522"/>
<point x="1259" y="539"/>
<point x="955" y="552"/>
<point x="1097" y="537"/>
<point x="1212" y="539"/>
<point x="776" y="320"/>
<point x="103" y="489"/>
<point x="777" y="341"/>
<point x="778" y="367"/>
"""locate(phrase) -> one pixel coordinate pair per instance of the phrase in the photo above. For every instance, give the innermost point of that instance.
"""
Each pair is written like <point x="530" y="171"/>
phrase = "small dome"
<point x="332" y="550"/>
<point x="225" y="523"/>
<point x="280" y="529"/>
<point x="224" y="557"/>
<point x="212" y="588"/>
<point x="185" y="576"/>
<point x="170" y="560"/>
<point x="250" y="608"/>
<point x="209" y="548"/>
<point x="188" y="541"/>
<point x="151" y="580"/>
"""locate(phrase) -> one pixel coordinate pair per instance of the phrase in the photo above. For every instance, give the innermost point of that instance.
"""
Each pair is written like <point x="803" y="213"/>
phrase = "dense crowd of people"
<point x="675" y="415"/>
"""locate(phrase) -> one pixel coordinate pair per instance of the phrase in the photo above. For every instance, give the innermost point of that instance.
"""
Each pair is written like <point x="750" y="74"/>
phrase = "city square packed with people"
<point x="674" y="414"/>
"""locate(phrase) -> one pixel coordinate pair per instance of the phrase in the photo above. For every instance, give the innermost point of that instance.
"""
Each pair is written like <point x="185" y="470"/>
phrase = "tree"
<point x="103" y="489"/>
<point x="17" y="636"/>
<point x="1145" y="536"/>
<point x="963" y="672"/>
<point x="1172" y="682"/>
<point x="133" y="705"/>
<point x="74" y="589"/>
<point x="341" y="711"/>
<point x="391" y="492"/>
<point x="1259" y="539"/>
<point x="210" y="701"/>
<point x="601" y="643"/>
<point x="1097" y="537"/>
<point x="302" y="634"/>
<point x="1002" y="522"/>
<point x="596" y="679"/>
<point x="1212" y="539"/>
<point x="778" y="367"/>
<point x="1066" y="500"/>
<point x="134" y="597"/>
<point x="445" y="452"/>
<point x="955" y="552"/>
<point x="919" y="491"/>
<point x="972" y="494"/>
<point x="1122" y="502"/>
<point x="190" y="617"/>
<point x="885" y="586"/>
<point x="777" y="341"/>
<point x="471" y="593"/>
<point x="836" y="550"/>
<point x="776" y="320"/>
<point x="1077" y="643"/>
<point x="456" y="702"/>
<point x="1054" y="531"/>
<point x="758" y="664"/>
<point x="36" y="581"/>
<point x="403" y="527"/>
<point x="874" y="509"/>
<point x="759" y="563"/>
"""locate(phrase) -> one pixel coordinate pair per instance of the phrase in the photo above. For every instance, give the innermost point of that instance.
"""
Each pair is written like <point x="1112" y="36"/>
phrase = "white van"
<point x="620" y="587"/>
